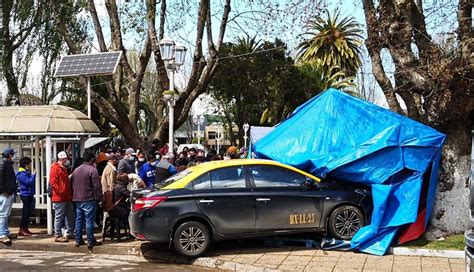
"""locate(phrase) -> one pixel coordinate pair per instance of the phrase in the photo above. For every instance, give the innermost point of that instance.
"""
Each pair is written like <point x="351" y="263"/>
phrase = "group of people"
<point x="79" y="193"/>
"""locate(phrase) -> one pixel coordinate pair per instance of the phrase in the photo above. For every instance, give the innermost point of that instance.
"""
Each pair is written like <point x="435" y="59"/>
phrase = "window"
<point x="274" y="176"/>
<point x="229" y="177"/>
<point x="172" y="179"/>
<point x="211" y="135"/>
<point x="202" y="183"/>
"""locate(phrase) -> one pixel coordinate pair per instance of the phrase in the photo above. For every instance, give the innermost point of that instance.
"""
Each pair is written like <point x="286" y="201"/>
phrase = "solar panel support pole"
<point x="89" y="97"/>
<point x="49" y="213"/>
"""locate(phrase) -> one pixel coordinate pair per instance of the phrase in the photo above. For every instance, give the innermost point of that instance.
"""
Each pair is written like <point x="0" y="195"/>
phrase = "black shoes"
<point x="81" y="243"/>
<point x="89" y="246"/>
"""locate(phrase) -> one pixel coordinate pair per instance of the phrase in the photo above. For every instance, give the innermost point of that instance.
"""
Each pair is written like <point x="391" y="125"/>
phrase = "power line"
<point x="221" y="58"/>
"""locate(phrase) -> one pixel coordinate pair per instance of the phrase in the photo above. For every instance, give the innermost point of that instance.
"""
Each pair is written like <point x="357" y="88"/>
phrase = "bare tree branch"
<point x="210" y="42"/>
<point x="374" y="44"/>
<point x="162" y="19"/>
<point x="97" y="26"/>
<point x="201" y="22"/>
<point x="465" y="20"/>
<point x="117" y="42"/>
<point x="225" y="17"/>
<point x="162" y="76"/>
<point x="63" y="29"/>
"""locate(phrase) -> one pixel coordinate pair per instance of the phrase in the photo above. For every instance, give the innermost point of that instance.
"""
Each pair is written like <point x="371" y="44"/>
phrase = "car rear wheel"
<point x="191" y="239"/>
<point x="345" y="221"/>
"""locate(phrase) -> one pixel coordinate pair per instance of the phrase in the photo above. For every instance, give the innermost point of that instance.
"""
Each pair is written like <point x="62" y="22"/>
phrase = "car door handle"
<point x="263" y="199"/>
<point x="206" y="201"/>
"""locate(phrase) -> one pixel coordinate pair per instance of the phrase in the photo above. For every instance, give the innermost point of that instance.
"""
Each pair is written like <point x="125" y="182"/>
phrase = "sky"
<point x="288" y="26"/>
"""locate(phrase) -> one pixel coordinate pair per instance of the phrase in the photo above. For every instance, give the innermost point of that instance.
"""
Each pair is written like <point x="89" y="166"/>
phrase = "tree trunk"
<point x="435" y="85"/>
<point x="451" y="212"/>
<point x="11" y="79"/>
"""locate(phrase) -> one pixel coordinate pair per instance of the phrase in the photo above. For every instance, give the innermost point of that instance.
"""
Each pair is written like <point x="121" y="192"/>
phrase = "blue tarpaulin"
<point x="336" y="135"/>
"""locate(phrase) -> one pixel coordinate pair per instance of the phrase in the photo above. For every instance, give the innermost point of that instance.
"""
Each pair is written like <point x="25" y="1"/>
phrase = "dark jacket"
<point x="86" y="185"/>
<point x="7" y="177"/>
<point x="122" y="209"/>
<point x="26" y="181"/>
<point x="125" y="167"/>
<point x="164" y="170"/>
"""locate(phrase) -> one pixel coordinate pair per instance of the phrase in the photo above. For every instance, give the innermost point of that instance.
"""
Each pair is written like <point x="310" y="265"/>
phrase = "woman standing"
<point x="27" y="192"/>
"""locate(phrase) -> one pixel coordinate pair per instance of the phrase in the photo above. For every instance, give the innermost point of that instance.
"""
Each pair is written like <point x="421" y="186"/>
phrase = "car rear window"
<point x="172" y="179"/>
<point x="223" y="178"/>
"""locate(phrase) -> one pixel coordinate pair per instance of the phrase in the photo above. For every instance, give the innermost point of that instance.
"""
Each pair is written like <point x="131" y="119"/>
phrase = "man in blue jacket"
<point x="7" y="194"/>
<point x="148" y="170"/>
<point x="26" y="181"/>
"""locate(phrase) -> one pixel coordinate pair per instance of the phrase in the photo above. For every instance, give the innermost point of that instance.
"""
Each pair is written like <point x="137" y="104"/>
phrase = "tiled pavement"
<point x="252" y="257"/>
<point x="319" y="260"/>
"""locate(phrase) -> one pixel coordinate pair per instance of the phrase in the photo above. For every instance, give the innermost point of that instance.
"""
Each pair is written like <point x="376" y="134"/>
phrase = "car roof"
<point x="208" y="166"/>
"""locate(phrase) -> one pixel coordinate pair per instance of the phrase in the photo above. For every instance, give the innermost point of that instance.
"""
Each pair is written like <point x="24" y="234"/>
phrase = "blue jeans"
<point x="6" y="204"/>
<point x="62" y="211"/>
<point x="85" y="211"/>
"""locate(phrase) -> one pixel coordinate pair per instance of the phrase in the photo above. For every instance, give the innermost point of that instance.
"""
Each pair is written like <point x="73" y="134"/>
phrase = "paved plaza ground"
<point x="248" y="256"/>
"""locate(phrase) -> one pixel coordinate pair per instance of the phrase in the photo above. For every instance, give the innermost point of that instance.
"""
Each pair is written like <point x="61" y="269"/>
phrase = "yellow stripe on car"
<point x="202" y="168"/>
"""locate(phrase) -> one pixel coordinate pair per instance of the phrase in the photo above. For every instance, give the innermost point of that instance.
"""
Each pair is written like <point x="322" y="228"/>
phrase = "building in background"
<point x="216" y="134"/>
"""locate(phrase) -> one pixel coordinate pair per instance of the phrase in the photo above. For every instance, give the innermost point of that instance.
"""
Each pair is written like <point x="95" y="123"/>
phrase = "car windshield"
<point x="172" y="179"/>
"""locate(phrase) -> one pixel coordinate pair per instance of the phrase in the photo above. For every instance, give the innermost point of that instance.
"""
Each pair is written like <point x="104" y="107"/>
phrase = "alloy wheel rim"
<point x="347" y="223"/>
<point x="192" y="239"/>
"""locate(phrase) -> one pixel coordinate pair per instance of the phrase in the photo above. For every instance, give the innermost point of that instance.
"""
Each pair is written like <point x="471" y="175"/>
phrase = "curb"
<point x="406" y="251"/>
<point x="131" y="250"/>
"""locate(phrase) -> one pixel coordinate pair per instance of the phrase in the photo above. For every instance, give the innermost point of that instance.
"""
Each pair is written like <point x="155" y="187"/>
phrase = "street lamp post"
<point x="173" y="54"/>
<point x="218" y="137"/>
<point x="246" y="129"/>
<point x="199" y="120"/>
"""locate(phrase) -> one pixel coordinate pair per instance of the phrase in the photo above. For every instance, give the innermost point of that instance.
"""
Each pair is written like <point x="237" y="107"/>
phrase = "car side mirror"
<point x="310" y="183"/>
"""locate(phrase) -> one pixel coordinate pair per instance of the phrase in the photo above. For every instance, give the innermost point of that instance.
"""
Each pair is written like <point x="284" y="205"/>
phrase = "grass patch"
<point x="453" y="242"/>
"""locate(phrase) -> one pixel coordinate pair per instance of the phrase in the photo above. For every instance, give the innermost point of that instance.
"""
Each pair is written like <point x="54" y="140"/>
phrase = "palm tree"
<point x="322" y="79"/>
<point x="333" y="42"/>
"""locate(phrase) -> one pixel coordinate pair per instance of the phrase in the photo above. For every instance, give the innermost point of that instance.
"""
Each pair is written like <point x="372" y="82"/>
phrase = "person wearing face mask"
<point x="26" y="181"/>
<point x="140" y="161"/>
<point x="148" y="170"/>
<point x="126" y="164"/>
<point x="192" y="156"/>
<point x="243" y="153"/>
<point x="62" y="199"/>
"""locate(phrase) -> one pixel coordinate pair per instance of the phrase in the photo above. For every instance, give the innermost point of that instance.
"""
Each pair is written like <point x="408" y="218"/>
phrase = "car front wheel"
<point x="345" y="221"/>
<point x="191" y="239"/>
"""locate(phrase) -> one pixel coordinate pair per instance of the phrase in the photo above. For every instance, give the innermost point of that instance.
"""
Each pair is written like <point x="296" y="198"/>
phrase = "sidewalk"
<point x="242" y="256"/>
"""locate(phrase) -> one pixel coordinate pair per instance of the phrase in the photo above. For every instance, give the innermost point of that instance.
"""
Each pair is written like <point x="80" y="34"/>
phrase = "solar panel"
<point x="88" y="64"/>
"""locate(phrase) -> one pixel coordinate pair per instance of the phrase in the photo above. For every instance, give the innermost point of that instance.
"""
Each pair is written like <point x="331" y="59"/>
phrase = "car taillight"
<point x="148" y="202"/>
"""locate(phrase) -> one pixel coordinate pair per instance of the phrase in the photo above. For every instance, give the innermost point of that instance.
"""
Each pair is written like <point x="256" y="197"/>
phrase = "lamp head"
<point x="166" y="49"/>
<point x="179" y="54"/>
